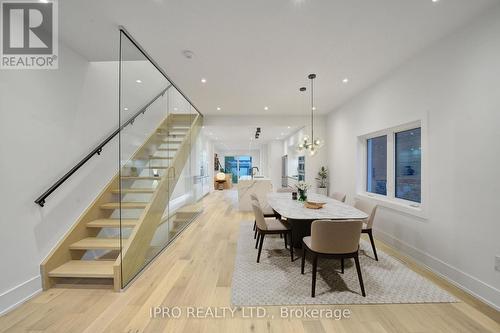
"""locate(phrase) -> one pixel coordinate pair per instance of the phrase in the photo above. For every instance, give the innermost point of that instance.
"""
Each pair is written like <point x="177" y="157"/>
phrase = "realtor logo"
<point x="29" y="35"/>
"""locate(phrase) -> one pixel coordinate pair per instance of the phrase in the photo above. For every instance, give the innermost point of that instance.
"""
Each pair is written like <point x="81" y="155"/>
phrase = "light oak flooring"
<point x="196" y="270"/>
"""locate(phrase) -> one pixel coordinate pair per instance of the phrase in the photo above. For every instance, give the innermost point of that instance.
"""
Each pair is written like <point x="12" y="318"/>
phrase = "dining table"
<point x="300" y="218"/>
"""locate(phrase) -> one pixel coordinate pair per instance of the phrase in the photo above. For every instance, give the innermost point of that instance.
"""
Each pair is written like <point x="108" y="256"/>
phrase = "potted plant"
<point x="322" y="181"/>
<point x="302" y="188"/>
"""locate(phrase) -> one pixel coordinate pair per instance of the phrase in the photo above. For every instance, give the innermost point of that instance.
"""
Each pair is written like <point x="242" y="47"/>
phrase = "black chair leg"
<point x="260" y="246"/>
<point x="342" y="264"/>
<point x="315" y="266"/>
<point x="373" y="244"/>
<point x="291" y="244"/>
<point x="286" y="243"/>
<point x="254" y="225"/>
<point x="281" y="235"/>
<point x="257" y="241"/>
<point x="360" y="278"/>
<point x="303" y="258"/>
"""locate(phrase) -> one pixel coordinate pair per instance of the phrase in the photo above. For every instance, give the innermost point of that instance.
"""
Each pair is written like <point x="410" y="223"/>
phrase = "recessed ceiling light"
<point x="266" y="108"/>
<point x="288" y="127"/>
<point x="138" y="81"/>
<point x="126" y="109"/>
<point x="203" y="80"/>
<point x="435" y="1"/>
<point x="218" y="108"/>
<point x="314" y="108"/>
<point x="175" y="109"/>
<point x="345" y="80"/>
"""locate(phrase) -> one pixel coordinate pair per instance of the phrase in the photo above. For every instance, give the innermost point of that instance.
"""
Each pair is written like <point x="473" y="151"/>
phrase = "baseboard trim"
<point x="19" y="294"/>
<point x="462" y="280"/>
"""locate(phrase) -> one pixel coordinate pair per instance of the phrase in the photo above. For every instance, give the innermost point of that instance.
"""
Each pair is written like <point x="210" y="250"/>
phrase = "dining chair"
<point x="267" y="210"/>
<point x="285" y="190"/>
<point x="370" y="209"/>
<point x="266" y="226"/>
<point x="333" y="239"/>
<point x="339" y="196"/>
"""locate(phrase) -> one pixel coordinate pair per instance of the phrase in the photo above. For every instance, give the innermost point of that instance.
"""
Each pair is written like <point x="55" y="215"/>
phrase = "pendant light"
<point x="311" y="145"/>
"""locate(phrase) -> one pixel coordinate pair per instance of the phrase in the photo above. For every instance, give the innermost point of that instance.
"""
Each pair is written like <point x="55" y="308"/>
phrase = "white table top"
<point x="293" y="209"/>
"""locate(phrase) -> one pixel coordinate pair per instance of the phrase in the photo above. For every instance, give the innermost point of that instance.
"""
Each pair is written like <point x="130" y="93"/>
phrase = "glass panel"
<point x="376" y="180"/>
<point x="143" y="118"/>
<point x="408" y="165"/>
<point x="183" y="131"/>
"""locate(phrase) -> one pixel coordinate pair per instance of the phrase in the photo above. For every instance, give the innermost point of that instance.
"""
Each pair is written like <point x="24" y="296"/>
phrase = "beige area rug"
<point x="277" y="281"/>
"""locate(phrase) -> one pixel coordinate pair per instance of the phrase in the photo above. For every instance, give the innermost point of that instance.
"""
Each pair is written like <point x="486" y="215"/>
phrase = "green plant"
<point x="221" y="170"/>
<point x="322" y="177"/>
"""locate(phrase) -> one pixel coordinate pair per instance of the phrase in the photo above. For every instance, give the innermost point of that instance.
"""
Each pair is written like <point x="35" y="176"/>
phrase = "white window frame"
<point x="390" y="201"/>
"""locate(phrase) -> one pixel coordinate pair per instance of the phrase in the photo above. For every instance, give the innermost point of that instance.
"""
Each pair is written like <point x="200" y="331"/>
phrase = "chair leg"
<point x="360" y="278"/>
<point x="255" y="234"/>
<point x="281" y="236"/>
<point x="303" y="259"/>
<point x="342" y="264"/>
<point x="373" y="243"/>
<point x="260" y="246"/>
<point x="286" y="243"/>
<point x="257" y="241"/>
<point x="254" y="225"/>
<point x="291" y="244"/>
<point x="315" y="266"/>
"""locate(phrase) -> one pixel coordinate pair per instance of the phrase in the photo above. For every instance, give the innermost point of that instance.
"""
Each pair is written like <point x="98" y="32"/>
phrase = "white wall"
<point x="456" y="85"/>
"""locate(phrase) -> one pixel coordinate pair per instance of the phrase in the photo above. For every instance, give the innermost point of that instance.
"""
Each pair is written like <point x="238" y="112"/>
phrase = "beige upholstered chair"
<point x="370" y="209"/>
<point x="267" y="210"/>
<point x="285" y="190"/>
<point x="333" y="239"/>
<point x="266" y="226"/>
<point x="339" y="196"/>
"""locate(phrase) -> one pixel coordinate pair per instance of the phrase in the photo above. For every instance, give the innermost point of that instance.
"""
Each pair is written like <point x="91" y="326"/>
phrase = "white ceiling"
<point x="242" y="137"/>
<point x="258" y="53"/>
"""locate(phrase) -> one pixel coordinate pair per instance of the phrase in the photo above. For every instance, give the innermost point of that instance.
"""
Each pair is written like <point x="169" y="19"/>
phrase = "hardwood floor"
<point x="196" y="270"/>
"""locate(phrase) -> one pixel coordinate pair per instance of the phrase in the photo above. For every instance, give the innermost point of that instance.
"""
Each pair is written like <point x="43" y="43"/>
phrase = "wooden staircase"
<point x="98" y="228"/>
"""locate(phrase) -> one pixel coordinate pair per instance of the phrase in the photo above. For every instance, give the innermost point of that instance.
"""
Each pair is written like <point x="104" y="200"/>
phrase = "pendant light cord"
<point x="312" y="112"/>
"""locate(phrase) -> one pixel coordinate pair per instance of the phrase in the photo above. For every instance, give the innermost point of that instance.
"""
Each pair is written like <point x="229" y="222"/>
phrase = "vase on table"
<point x="322" y="190"/>
<point x="302" y="195"/>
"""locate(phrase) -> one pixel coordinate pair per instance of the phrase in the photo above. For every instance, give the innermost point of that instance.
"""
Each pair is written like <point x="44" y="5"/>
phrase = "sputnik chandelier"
<point x="310" y="144"/>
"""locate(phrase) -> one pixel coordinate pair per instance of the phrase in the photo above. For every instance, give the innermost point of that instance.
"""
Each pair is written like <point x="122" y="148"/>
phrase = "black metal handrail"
<point x="97" y="150"/>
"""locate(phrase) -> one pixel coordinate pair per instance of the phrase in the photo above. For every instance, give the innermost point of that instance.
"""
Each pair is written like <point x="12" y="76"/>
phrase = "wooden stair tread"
<point x="94" y="243"/>
<point x="171" y="134"/>
<point x="133" y="190"/>
<point x="112" y="223"/>
<point x="167" y="149"/>
<point x="140" y="178"/>
<point x="172" y="141"/>
<point x="152" y="157"/>
<point x="84" y="269"/>
<point x="124" y="205"/>
<point x="156" y="167"/>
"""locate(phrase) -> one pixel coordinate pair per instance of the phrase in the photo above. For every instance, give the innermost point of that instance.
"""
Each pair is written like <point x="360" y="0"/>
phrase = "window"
<point x="376" y="176"/>
<point x="408" y="165"/>
<point x="391" y="167"/>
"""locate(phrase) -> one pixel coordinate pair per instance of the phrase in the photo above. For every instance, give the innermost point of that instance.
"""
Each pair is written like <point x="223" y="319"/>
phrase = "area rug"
<point x="277" y="281"/>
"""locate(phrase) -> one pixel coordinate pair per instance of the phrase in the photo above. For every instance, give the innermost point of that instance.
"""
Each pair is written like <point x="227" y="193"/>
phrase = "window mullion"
<point x="390" y="165"/>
